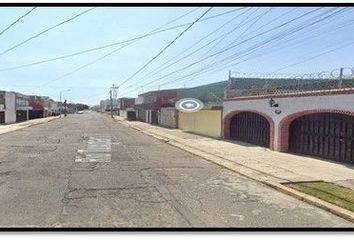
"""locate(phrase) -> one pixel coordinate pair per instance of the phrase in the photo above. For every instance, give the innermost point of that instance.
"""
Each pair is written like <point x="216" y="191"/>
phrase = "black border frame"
<point x="175" y="229"/>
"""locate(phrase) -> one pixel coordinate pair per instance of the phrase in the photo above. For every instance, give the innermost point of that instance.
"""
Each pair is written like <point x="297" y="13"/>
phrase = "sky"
<point x="248" y="40"/>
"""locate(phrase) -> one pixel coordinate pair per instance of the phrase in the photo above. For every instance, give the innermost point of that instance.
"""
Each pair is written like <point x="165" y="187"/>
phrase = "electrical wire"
<point x="165" y="48"/>
<point x="154" y="71"/>
<point x="252" y="48"/>
<point x="111" y="44"/>
<point x="17" y="20"/>
<point x="115" y="50"/>
<point x="45" y="31"/>
<point x="237" y="44"/>
<point x="316" y="56"/>
<point x="222" y="37"/>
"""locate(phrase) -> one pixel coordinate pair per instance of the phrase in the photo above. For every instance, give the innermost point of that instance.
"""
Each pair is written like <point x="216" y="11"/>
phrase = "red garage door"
<point x="326" y="135"/>
<point x="251" y="128"/>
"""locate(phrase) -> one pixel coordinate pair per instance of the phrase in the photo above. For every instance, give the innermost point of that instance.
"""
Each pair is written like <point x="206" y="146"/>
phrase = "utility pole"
<point x="113" y="88"/>
<point x="65" y="104"/>
<point x="61" y="103"/>
<point x="228" y="86"/>
<point x="340" y="82"/>
<point x="61" y="106"/>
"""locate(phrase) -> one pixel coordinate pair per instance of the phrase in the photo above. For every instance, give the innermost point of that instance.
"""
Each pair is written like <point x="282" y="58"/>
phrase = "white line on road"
<point x="98" y="150"/>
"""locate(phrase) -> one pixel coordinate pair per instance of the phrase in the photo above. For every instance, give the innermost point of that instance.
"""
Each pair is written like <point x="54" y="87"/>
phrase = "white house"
<point x="14" y="107"/>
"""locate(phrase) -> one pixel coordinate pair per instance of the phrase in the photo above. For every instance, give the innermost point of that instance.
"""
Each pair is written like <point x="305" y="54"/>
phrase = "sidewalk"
<point x="256" y="162"/>
<point x="17" y="126"/>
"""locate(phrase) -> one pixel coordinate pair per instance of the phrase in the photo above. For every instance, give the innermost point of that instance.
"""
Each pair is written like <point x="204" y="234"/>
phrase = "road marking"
<point x="98" y="149"/>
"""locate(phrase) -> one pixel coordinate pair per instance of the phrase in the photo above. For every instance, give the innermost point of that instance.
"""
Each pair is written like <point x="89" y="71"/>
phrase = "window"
<point x="2" y="99"/>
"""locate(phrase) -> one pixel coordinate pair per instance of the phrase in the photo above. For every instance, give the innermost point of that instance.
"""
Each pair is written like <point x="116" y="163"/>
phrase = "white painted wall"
<point x="290" y="105"/>
<point x="123" y="113"/>
<point x="168" y="117"/>
<point x="10" y="110"/>
<point x="148" y="116"/>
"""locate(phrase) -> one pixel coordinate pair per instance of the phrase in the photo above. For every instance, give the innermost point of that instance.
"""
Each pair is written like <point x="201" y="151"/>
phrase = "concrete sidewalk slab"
<point x="280" y="167"/>
<point x="17" y="126"/>
<point x="260" y="164"/>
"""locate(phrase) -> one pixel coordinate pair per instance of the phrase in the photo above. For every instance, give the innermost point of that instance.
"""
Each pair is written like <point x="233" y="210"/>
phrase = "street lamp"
<point x="61" y="104"/>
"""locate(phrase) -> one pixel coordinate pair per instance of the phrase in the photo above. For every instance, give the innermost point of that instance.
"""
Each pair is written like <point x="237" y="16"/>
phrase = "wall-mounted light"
<point x="272" y="103"/>
<point x="277" y="111"/>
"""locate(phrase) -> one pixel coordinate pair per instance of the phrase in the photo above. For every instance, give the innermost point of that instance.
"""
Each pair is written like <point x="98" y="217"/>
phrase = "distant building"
<point x="22" y="107"/>
<point x="37" y="107"/>
<point x="148" y="104"/>
<point x="105" y="105"/>
<point x="207" y="121"/>
<point x="95" y="108"/>
<point x="126" y="108"/>
<point x="158" y="107"/>
<point x="14" y="107"/>
<point x="126" y="103"/>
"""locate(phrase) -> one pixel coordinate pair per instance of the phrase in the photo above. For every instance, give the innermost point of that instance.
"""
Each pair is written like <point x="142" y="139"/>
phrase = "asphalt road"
<point x="90" y="171"/>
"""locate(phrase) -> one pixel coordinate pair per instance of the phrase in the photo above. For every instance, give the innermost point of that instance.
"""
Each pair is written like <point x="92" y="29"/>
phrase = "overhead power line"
<point x="253" y="22"/>
<point x="166" y="47"/>
<point x="112" y="44"/>
<point x="45" y="31"/>
<point x="222" y="37"/>
<point x="160" y="67"/>
<point x="314" y="21"/>
<point x="212" y="66"/>
<point x="236" y="44"/>
<point x="16" y="21"/>
<point x="289" y="43"/>
<point x="247" y="51"/>
<point x="115" y="50"/>
<point x="277" y="37"/>
<point x="316" y="56"/>
<point x="250" y="50"/>
<point x="163" y="66"/>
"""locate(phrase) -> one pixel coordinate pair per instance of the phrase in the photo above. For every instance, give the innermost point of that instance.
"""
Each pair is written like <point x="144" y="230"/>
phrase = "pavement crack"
<point x="186" y="213"/>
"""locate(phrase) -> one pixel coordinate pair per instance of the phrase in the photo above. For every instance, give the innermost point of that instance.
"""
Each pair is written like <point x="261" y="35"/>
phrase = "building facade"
<point x="105" y="105"/>
<point x="14" y="107"/>
<point x="126" y="108"/>
<point x="148" y="105"/>
<point x="208" y="121"/>
<point x="318" y="123"/>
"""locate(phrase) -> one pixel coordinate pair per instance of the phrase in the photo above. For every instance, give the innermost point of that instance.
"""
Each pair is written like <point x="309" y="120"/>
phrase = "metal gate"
<point x="2" y="117"/>
<point x="326" y="135"/>
<point x="34" y="114"/>
<point x="154" y="120"/>
<point x="142" y="115"/>
<point x="250" y="127"/>
<point x="21" y="116"/>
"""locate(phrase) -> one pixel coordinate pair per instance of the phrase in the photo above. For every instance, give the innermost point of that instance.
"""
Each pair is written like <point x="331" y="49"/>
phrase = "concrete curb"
<point x="27" y="126"/>
<point x="151" y="134"/>
<point x="341" y="212"/>
<point x="244" y="171"/>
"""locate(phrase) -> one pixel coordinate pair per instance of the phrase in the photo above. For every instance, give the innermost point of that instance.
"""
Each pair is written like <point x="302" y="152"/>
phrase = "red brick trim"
<point x="284" y="125"/>
<point x="227" y="122"/>
<point x="299" y="94"/>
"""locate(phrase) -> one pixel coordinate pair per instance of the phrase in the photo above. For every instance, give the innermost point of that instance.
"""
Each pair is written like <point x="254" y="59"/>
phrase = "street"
<point x="91" y="171"/>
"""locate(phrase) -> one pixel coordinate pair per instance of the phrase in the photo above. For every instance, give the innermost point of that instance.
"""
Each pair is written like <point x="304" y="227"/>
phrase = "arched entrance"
<point x="326" y="135"/>
<point x="250" y="127"/>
